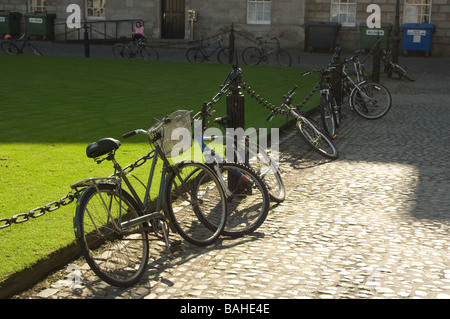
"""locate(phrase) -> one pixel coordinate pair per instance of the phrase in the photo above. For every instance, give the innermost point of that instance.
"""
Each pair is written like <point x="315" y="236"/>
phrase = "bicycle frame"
<point x="203" y="46"/>
<point x="266" y="50"/>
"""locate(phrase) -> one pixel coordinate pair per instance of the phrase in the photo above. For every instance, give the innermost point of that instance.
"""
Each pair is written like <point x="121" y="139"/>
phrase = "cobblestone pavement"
<point x="373" y="224"/>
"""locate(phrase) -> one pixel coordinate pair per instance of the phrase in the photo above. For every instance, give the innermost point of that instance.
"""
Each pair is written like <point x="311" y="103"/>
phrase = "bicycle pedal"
<point x="176" y="247"/>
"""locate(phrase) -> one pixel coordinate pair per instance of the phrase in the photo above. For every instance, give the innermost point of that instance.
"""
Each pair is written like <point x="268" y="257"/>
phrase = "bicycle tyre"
<point x="283" y="58"/>
<point x="327" y="116"/>
<point x="9" y="48"/>
<point x="402" y="72"/>
<point x="223" y="55"/>
<point x="195" y="55"/>
<point x="197" y="211"/>
<point x="248" y="205"/>
<point x="315" y="137"/>
<point x="252" y="56"/>
<point x="118" y="259"/>
<point x="148" y="53"/>
<point x="35" y="50"/>
<point x="121" y="51"/>
<point x="376" y="105"/>
<point x="267" y="170"/>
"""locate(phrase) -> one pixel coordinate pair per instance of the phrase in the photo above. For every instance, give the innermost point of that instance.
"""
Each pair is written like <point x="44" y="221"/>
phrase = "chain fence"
<point x="75" y="192"/>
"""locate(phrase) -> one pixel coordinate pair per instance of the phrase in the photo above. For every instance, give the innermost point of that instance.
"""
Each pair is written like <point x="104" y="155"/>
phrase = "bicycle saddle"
<point x="102" y="147"/>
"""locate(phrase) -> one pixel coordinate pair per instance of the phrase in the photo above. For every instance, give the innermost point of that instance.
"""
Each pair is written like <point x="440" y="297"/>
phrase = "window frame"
<point x="252" y="15"/>
<point x="337" y="10"/>
<point x="421" y="16"/>
<point x="37" y="5"/>
<point x="93" y="8"/>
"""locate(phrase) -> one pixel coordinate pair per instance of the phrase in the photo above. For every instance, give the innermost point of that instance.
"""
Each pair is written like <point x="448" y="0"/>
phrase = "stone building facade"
<point x="186" y="20"/>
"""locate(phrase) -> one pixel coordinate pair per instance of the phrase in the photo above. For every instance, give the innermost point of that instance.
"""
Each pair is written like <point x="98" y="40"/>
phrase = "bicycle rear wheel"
<point x="314" y="137"/>
<point x="196" y="203"/>
<point x="121" y="51"/>
<point x="372" y="100"/>
<point x="251" y="56"/>
<point x="118" y="258"/>
<point x="283" y="58"/>
<point x="9" y="48"/>
<point x="195" y="55"/>
<point x="148" y="53"/>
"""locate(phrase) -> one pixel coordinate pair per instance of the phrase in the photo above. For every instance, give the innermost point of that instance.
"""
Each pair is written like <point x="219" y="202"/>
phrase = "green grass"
<point x="51" y="108"/>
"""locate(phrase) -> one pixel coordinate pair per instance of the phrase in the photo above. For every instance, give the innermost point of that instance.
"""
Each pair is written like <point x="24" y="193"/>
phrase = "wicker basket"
<point x="181" y="121"/>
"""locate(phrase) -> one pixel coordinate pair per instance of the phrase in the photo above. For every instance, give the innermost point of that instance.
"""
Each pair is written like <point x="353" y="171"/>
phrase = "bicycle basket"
<point x="177" y="125"/>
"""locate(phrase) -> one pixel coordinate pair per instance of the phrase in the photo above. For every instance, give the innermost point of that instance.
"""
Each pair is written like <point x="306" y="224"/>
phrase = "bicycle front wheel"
<point x="327" y="116"/>
<point x="118" y="258"/>
<point x="251" y="56"/>
<point x="371" y="101"/>
<point x="195" y="55"/>
<point x="34" y="49"/>
<point x="223" y="55"/>
<point x="10" y="48"/>
<point x="196" y="203"/>
<point x="283" y="58"/>
<point x="149" y="54"/>
<point x="402" y="72"/>
<point x="314" y="137"/>
<point x="121" y="51"/>
<point x="267" y="170"/>
<point x="248" y="200"/>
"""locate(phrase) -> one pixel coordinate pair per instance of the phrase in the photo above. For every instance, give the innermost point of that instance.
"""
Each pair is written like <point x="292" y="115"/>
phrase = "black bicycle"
<point x="135" y="49"/>
<point x="199" y="53"/>
<point x="11" y="45"/>
<point x="255" y="54"/>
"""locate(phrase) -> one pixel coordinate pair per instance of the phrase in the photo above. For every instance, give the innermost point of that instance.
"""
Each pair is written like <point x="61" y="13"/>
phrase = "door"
<point x="173" y="12"/>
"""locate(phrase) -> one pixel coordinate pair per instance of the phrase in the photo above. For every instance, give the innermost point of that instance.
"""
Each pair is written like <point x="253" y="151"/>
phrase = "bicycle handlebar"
<point x="287" y="100"/>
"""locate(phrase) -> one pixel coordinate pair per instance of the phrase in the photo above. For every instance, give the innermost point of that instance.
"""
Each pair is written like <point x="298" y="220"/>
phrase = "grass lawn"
<point x="51" y="108"/>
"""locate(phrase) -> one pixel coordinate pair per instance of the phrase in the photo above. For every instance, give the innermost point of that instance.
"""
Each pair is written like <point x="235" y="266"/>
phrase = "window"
<point x="344" y="12"/>
<point x="417" y="11"/>
<point x="95" y="8"/>
<point x="38" y="5"/>
<point x="258" y="11"/>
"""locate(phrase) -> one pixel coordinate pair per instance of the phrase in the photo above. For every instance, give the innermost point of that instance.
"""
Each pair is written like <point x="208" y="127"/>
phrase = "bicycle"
<point x="370" y="100"/>
<point x="309" y="130"/>
<point x="253" y="55"/>
<point x="112" y="224"/>
<point x="134" y="49"/>
<point x="246" y="193"/>
<point x="200" y="54"/>
<point x="10" y="45"/>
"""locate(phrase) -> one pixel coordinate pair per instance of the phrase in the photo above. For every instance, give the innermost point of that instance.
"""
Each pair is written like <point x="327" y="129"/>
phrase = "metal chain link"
<point x="39" y="211"/>
<point x="262" y="101"/>
<point x="271" y="106"/>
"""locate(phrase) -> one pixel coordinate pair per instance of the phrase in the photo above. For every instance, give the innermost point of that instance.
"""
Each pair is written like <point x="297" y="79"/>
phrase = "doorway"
<point x="173" y="13"/>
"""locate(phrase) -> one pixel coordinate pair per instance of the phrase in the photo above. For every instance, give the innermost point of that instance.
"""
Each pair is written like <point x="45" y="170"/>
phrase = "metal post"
<point x="86" y="40"/>
<point x="396" y="40"/>
<point x="231" y="44"/>
<point x="376" y="63"/>
<point x="235" y="104"/>
<point x="336" y="76"/>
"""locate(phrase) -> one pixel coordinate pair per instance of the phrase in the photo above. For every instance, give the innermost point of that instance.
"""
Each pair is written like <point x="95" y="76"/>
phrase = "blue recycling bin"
<point x="418" y="37"/>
